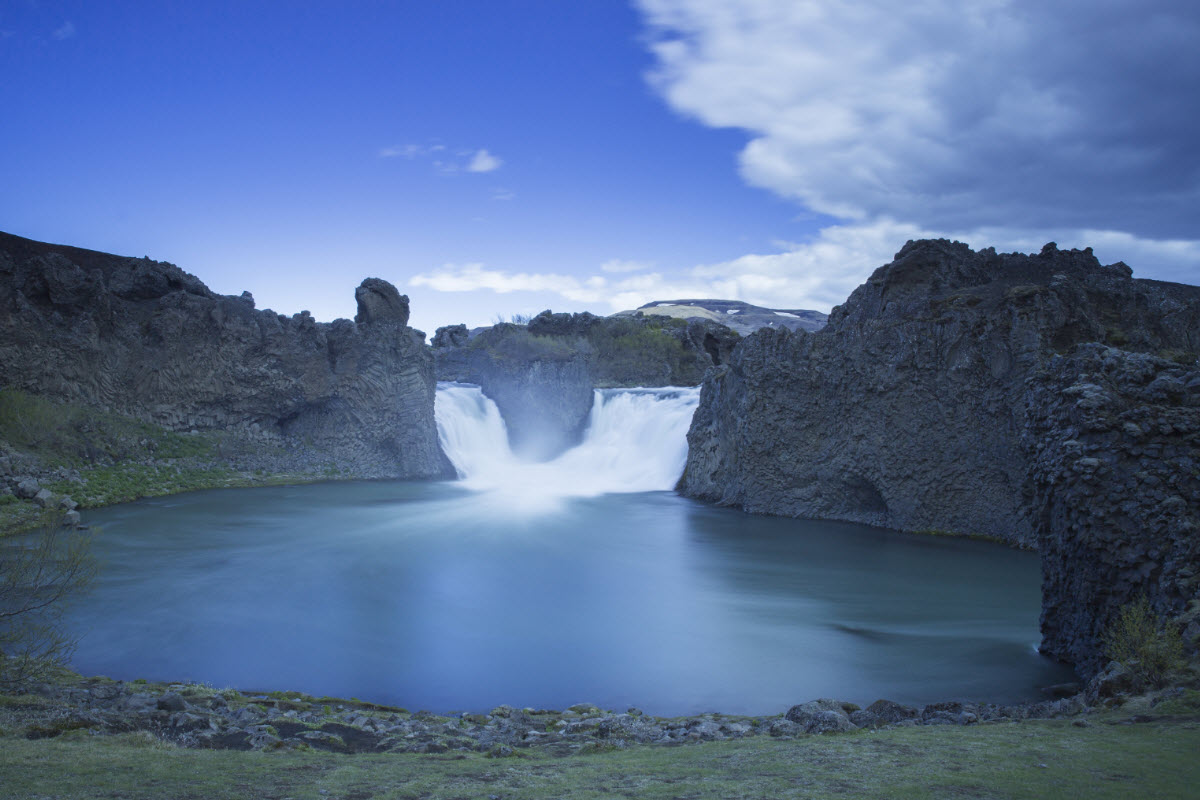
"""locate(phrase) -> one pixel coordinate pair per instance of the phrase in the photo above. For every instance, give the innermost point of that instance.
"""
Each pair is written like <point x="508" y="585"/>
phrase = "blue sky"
<point x="498" y="156"/>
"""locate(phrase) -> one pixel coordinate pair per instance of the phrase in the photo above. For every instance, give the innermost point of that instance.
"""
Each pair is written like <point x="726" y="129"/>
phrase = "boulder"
<point x="27" y="488"/>
<point x="820" y="716"/>
<point x="883" y="712"/>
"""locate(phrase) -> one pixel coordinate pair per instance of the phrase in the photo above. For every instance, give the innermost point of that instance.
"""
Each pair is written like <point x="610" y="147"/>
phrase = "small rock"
<point x="891" y="712"/>
<point x="44" y="498"/>
<point x="189" y="722"/>
<point x="171" y="701"/>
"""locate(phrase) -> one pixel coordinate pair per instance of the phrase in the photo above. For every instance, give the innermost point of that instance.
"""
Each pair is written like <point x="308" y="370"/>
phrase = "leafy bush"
<point x="1144" y="644"/>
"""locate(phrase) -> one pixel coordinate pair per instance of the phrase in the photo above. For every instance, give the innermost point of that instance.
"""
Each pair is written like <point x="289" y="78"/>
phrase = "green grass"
<point x="69" y="434"/>
<point x="1046" y="759"/>
<point x="122" y="483"/>
<point x="18" y="515"/>
<point x="119" y="458"/>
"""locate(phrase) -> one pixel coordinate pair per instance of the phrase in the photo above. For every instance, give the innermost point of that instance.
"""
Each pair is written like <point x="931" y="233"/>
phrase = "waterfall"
<point x="635" y="441"/>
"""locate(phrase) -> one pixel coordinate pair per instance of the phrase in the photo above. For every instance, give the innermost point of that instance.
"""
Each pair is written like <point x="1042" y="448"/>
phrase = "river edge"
<point x="200" y="716"/>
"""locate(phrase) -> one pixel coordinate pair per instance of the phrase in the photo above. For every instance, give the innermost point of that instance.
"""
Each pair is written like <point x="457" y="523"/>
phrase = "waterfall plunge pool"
<point x="551" y="584"/>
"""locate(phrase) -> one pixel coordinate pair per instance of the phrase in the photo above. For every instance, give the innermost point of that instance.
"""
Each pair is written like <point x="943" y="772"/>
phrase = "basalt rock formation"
<point x="542" y="375"/>
<point x="541" y="385"/>
<point x="1113" y="440"/>
<point x="147" y="339"/>
<point x="945" y="395"/>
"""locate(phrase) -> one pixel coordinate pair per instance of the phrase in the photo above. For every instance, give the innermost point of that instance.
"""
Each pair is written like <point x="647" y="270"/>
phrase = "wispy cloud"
<point x="411" y="150"/>
<point x="500" y="193"/>
<point x="445" y="160"/>
<point x="64" y="31"/>
<point x="483" y="161"/>
<point x="618" y="266"/>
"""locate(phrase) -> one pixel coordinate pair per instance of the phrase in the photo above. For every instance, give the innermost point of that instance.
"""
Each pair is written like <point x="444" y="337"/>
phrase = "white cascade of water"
<point x="635" y="441"/>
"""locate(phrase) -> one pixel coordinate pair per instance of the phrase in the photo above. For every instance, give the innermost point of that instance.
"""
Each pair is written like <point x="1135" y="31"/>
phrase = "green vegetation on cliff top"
<point x="623" y="351"/>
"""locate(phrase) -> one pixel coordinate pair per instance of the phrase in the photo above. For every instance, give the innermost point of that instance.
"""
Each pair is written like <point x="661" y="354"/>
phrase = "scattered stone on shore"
<point x="203" y="717"/>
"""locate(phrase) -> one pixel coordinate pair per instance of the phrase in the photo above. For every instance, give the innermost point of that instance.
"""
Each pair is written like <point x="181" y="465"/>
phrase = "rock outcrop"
<point x="1113" y="439"/>
<point x="542" y="387"/>
<point x="147" y="339"/>
<point x="939" y="397"/>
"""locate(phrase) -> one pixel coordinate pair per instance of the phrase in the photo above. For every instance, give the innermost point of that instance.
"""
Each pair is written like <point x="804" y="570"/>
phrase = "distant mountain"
<point x="742" y="317"/>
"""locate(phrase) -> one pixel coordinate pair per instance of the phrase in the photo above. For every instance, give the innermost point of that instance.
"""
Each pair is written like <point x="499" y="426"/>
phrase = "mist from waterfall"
<point x="635" y="441"/>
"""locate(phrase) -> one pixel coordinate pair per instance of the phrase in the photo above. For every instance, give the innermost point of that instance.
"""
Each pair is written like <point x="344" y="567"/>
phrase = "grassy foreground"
<point x="1113" y="756"/>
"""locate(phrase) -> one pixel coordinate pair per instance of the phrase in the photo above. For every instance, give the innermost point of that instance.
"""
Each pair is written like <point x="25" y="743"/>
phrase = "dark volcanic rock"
<point x="146" y="339"/>
<point x="911" y="410"/>
<point x="542" y="385"/>
<point x="379" y="302"/>
<point x="1114" y="442"/>
<point x="451" y="336"/>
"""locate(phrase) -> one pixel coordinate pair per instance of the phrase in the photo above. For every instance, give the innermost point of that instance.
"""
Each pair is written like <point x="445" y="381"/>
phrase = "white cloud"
<point x="818" y="274"/>
<point x="405" y="151"/>
<point x="618" y="266"/>
<point x="444" y="160"/>
<point x="1021" y="114"/>
<point x="65" y="31"/>
<point x="483" y="161"/>
<point x="473" y="277"/>
<point x="500" y="193"/>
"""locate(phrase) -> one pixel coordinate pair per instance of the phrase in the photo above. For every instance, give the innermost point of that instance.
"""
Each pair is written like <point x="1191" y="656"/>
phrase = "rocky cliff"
<point x="147" y="339"/>
<point x="917" y="408"/>
<point x="1113" y="443"/>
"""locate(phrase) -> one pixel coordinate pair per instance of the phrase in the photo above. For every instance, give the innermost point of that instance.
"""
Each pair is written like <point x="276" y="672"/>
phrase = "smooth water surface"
<point x="445" y="597"/>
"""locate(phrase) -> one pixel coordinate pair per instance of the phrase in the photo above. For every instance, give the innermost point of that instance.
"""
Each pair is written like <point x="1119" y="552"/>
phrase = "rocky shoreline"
<point x="199" y="716"/>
